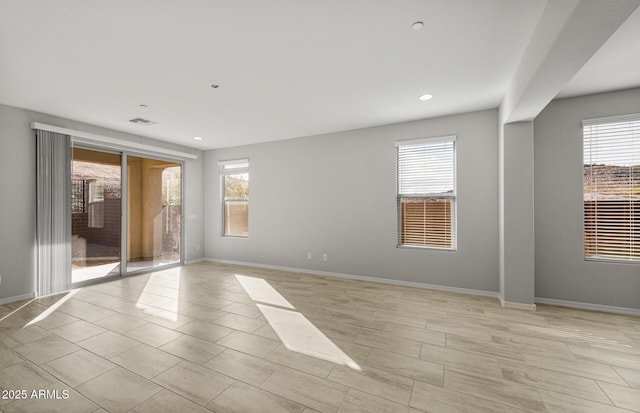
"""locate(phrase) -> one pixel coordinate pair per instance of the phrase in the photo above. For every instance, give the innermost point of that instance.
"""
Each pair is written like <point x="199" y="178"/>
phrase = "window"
<point x="427" y="193"/>
<point x="96" y="203"/>
<point x="78" y="205"/>
<point x="611" y="183"/>
<point x="235" y="197"/>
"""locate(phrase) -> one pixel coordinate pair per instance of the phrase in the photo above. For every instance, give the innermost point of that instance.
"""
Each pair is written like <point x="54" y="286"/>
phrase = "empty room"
<point x="416" y="206"/>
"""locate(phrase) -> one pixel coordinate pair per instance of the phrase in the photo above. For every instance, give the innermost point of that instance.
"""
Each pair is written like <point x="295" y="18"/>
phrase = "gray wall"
<point x="18" y="195"/>
<point x="517" y="228"/>
<point x="336" y="194"/>
<point x="561" y="271"/>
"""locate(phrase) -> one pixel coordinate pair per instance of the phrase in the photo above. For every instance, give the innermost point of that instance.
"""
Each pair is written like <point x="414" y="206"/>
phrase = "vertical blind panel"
<point x="53" y="212"/>
<point x="426" y="168"/>
<point x="611" y="178"/>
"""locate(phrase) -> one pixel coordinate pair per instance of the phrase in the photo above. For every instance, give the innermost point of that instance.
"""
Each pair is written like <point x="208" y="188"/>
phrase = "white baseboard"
<point x="15" y="298"/>
<point x="518" y="306"/>
<point x="514" y="305"/>
<point x="197" y="260"/>
<point x="362" y="278"/>
<point x="588" y="306"/>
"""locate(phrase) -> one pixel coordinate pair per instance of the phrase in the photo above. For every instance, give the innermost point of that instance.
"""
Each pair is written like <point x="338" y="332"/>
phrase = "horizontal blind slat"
<point x="611" y="178"/>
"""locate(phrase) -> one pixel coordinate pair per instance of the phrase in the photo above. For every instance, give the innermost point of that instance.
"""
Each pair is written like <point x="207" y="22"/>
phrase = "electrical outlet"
<point x="198" y="247"/>
<point x="325" y="257"/>
<point x="308" y="255"/>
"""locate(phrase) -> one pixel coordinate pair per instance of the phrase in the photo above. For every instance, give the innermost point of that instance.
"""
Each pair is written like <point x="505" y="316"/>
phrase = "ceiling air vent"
<point x="141" y="121"/>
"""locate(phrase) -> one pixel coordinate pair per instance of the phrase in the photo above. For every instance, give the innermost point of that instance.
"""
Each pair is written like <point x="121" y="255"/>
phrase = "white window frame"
<point x="232" y="167"/>
<point x="453" y="196"/>
<point x="634" y="121"/>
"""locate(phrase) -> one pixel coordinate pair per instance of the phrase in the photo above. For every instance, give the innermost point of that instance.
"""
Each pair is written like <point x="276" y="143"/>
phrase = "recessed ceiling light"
<point x="425" y="97"/>
<point x="417" y="26"/>
<point x="198" y="138"/>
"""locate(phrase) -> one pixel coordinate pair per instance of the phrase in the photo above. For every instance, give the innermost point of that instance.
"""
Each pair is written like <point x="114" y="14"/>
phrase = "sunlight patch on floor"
<point x="52" y="308"/>
<point x="261" y="291"/>
<point x="96" y="271"/>
<point x="147" y="301"/>
<point x="295" y="331"/>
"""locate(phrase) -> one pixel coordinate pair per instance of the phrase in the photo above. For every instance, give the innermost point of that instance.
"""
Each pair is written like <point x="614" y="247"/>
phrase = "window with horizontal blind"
<point x="235" y="197"/>
<point x="427" y="193"/>
<point x="611" y="182"/>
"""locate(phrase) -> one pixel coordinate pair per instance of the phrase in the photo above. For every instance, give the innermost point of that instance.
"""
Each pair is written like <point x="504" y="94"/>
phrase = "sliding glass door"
<point x="126" y="213"/>
<point x="96" y="200"/>
<point x="154" y="212"/>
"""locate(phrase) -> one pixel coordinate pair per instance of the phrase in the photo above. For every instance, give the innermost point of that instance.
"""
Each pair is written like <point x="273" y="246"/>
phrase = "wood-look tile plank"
<point x="193" y="349"/>
<point x="166" y="401"/>
<point x="389" y="342"/>
<point x="305" y="389"/>
<point x="249" y="343"/>
<point x="46" y="349"/>
<point x="475" y="332"/>
<point x="78" y="330"/>
<point x="243" y="398"/>
<point x="25" y="375"/>
<point x="378" y="382"/>
<point x="299" y="361"/>
<point x="554" y="381"/>
<point x="79" y="367"/>
<point x="198" y="384"/>
<point x="243" y="367"/>
<point x="491" y="349"/>
<point x="108" y="344"/>
<point x="405" y="366"/>
<point x="361" y="402"/>
<point x="501" y="391"/>
<point x="241" y="322"/>
<point x="589" y="369"/>
<point x="610" y="357"/>
<point x="118" y="390"/>
<point x="145" y="360"/>
<point x="205" y="330"/>
<point x="562" y="403"/>
<point x="623" y="396"/>
<point x="423" y="335"/>
<point x="10" y="358"/>
<point x="153" y="335"/>
<point x="436" y="399"/>
<point x="463" y="360"/>
<point x="632" y="377"/>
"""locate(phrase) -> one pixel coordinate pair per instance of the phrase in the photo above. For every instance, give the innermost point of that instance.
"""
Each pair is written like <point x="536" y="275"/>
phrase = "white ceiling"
<point x="615" y="66"/>
<point x="286" y="68"/>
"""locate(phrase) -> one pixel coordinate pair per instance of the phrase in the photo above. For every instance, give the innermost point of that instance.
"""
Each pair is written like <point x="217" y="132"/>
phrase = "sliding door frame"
<point x="125" y="218"/>
<point x="96" y="148"/>
<point x="124" y="199"/>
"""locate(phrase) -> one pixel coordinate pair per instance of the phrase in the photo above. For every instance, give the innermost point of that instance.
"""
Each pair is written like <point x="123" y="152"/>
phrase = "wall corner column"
<point x="517" y="243"/>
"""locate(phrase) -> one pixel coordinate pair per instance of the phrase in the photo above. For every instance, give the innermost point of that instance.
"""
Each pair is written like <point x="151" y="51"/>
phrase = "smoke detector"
<point x="142" y="121"/>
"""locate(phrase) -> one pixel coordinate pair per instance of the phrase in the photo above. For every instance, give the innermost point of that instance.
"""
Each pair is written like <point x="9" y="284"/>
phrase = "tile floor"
<point x="222" y="338"/>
